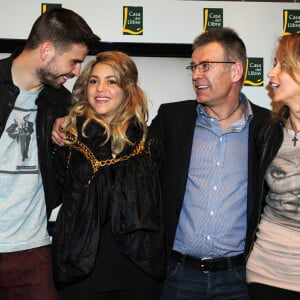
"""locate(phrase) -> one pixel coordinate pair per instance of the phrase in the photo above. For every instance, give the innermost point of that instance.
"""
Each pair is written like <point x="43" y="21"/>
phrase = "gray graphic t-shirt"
<point x="283" y="178"/>
<point x="23" y="221"/>
<point x="275" y="258"/>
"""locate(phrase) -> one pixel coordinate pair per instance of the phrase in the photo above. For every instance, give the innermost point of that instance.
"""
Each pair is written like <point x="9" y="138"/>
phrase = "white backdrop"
<point x="259" y="24"/>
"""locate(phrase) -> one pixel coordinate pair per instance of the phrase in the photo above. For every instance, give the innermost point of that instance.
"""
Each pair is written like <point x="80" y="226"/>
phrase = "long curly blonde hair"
<point x="134" y="105"/>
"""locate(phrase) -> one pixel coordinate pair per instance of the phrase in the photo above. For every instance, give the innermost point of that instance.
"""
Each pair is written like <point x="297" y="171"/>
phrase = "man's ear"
<point x="237" y="71"/>
<point x="46" y="49"/>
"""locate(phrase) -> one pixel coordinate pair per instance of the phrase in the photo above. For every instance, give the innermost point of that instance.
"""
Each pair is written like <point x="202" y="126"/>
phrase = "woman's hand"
<point x="57" y="135"/>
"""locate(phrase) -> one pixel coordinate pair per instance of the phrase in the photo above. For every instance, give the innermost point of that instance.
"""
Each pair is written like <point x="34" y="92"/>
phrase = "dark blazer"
<point x="175" y="124"/>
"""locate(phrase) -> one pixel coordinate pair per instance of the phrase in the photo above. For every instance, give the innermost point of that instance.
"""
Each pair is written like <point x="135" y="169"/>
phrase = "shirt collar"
<point x="248" y="113"/>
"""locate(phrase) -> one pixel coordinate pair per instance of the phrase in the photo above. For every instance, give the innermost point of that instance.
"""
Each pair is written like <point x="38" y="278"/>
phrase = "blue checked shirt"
<point x="212" y="221"/>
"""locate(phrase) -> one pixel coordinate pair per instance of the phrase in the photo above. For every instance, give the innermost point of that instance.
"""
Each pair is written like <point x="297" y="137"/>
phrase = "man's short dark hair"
<point x="233" y="46"/>
<point x="62" y="27"/>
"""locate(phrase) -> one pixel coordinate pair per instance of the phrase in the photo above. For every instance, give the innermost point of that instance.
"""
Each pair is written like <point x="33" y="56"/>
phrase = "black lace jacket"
<point x="98" y="188"/>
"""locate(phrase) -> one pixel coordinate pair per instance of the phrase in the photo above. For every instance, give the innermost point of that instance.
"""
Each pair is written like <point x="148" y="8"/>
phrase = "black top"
<point x="109" y="232"/>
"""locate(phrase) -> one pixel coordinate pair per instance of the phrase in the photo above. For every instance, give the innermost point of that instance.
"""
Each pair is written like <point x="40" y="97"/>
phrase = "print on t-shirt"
<point x="283" y="198"/>
<point x="22" y="134"/>
<point x="18" y="144"/>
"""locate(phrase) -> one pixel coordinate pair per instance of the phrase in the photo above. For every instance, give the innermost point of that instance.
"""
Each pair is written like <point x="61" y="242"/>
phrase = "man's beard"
<point x="48" y="78"/>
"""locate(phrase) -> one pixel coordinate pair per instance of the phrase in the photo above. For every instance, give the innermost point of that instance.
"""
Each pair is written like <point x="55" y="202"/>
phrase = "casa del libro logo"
<point x="132" y="20"/>
<point x="212" y="18"/>
<point x="291" y="21"/>
<point x="254" y="75"/>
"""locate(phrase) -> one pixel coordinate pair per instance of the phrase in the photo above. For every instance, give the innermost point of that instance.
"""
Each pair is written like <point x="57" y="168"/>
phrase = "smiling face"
<point x="217" y="84"/>
<point x="284" y="88"/>
<point x="103" y="92"/>
<point x="60" y="66"/>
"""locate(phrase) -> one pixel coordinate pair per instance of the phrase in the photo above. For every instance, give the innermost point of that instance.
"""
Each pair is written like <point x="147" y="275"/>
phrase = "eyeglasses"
<point x="204" y="66"/>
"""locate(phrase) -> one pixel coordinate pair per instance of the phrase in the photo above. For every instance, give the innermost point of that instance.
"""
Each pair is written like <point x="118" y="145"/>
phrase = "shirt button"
<point x="215" y="188"/>
<point x="211" y="213"/>
<point x="208" y="237"/>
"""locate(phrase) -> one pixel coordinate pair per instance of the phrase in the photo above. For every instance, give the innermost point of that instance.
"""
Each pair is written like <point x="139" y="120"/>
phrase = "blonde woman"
<point x="108" y="240"/>
<point x="274" y="263"/>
